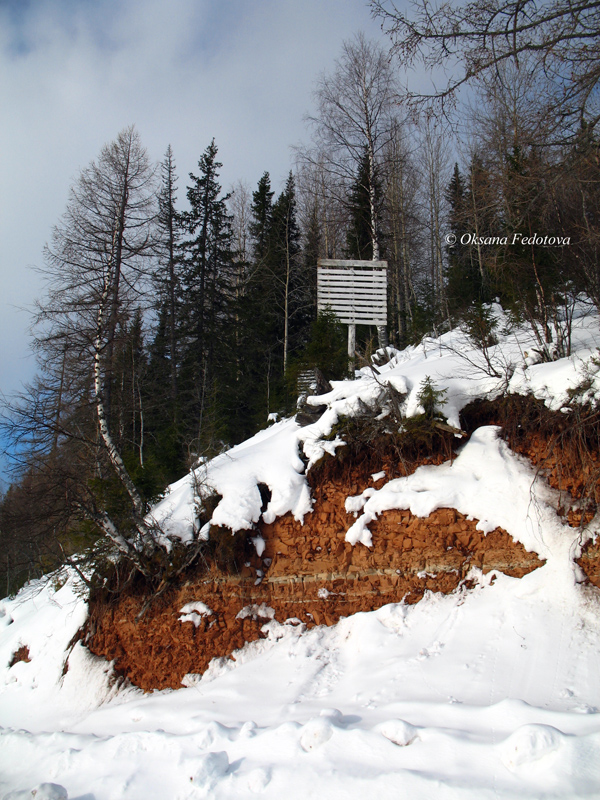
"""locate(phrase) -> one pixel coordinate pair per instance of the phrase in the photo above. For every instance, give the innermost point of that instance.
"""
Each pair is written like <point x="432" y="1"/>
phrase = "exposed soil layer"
<point x="310" y="574"/>
<point x="590" y="562"/>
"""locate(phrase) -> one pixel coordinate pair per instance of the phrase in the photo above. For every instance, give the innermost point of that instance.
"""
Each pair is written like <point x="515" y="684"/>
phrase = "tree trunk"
<point x="113" y="453"/>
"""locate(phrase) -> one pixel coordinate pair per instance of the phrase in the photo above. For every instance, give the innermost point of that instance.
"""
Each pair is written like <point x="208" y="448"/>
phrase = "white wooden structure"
<point x="356" y="291"/>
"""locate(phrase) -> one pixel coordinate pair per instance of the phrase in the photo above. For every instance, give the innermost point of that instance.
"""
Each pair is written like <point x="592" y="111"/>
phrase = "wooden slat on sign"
<point x="366" y="297"/>
<point x="365" y="300"/>
<point x="354" y="290"/>
<point x="364" y="287"/>
<point x="349" y="262"/>
<point x="361" y="279"/>
<point x="356" y="273"/>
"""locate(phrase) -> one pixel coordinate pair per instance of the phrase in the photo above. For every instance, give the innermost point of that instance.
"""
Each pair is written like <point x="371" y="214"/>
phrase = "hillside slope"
<point x="475" y="676"/>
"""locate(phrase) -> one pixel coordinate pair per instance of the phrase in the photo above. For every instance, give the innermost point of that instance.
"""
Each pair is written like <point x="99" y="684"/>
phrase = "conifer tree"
<point x="262" y="214"/>
<point x="170" y="229"/>
<point x="360" y="236"/>
<point x="464" y="283"/>
<point x="259" y="314"/>
<point x="161" y="388"/>
<point x="206" y="284"/>
<point x="313" y="246"/>
<point x="278" y="303"/>
<point x="291" y="297"/>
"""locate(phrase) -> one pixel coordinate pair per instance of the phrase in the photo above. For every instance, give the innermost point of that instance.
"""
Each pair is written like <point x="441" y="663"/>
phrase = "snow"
<point x="255" y="612"/>
<point x="259" y="545"/>
<point x="194" y="612"/>
<point x="492" y="692"/>
<point x="274" y="457"/>
<point x="271" y="458"/>
<point x="45" y="791"/>
<point x="478" y="483"/>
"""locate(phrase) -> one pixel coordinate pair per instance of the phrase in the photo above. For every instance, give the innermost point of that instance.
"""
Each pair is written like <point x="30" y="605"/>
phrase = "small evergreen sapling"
<point x="431" y="399"/>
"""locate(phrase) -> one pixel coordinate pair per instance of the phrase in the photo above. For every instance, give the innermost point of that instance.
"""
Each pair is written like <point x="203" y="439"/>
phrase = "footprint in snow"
<point x="248" y="730"/>
<point x="429" y="652"/>
<point x="258" y="779"/>
<point x="211" y="768"/>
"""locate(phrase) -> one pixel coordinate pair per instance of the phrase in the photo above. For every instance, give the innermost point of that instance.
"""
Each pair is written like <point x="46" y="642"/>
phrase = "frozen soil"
<point x="474" y="677"/>
<point x="306" y="572"/>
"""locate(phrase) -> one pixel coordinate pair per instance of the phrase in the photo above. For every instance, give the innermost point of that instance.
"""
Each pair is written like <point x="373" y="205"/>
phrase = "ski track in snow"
<point x="490" y="693"/>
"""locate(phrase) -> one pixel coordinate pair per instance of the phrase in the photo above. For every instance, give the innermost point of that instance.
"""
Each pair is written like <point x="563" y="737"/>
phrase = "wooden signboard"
<point x="356" y="291"/>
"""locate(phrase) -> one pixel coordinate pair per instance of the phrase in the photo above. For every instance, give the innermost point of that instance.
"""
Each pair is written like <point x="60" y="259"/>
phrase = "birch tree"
<point x="434" y="157"/>
<point x="460" y="43"/>
<point x="357" y="109"/>
<point x="401" y="217"/>
<point x="356" y="117"/>
<point x="98" y="271"/>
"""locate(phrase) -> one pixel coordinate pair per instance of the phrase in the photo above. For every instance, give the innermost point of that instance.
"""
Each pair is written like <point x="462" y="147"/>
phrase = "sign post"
<point x="356" y="291"/>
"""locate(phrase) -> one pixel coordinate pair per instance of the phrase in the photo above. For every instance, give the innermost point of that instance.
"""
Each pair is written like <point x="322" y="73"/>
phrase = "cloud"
<point x="73" y="73"/>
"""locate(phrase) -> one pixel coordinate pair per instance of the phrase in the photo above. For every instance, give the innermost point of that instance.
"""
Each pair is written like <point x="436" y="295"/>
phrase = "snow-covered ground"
<point x="488" y="693"/>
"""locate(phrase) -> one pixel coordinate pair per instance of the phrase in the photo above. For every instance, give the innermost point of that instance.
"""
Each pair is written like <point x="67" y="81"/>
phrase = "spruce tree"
<point x="261" y="368"/>
<point x="471" y="214"/>
<point x="359" y="239"/>
<point x="170" y="232"/>
<point x="163" y="440"/>
<point x="206" y="284"/>
<point x="463" y="286"/>
<point x="277" y="304"/>
<point x="262" y="213"/>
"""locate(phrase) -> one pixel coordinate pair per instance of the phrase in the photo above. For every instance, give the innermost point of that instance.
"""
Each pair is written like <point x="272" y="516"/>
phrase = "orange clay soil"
<point x="309" y="573"/>
<point x="563" y="447"/>
<point x="22" y="654"/>
<point x="590" y="562"/>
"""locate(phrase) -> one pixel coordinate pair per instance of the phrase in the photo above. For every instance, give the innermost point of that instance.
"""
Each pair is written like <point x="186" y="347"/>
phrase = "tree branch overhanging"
<point x="467" y="41"/>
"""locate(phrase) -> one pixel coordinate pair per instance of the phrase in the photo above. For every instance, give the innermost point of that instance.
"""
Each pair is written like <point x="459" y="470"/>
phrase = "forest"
<point x="176" y="319"/>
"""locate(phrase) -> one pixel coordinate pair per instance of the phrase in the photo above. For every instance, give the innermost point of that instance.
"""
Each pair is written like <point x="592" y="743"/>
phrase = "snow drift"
<point x="488" y="692"/>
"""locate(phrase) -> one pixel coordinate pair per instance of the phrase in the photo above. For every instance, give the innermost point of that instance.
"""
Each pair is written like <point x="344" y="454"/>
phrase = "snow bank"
<point x="60" y="677"/>
<point x="491" y="693"/>
<point x="486" y="482"/>
<point x="271" y="458"/>
<point x="452" y="363"/>
<point x="482" y="694"/>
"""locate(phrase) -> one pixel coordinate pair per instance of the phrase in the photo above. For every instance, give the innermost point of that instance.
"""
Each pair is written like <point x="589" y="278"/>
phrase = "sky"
<point x="73" y="73"/>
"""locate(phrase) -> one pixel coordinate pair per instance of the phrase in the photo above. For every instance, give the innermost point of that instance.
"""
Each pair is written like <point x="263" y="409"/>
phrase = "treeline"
<point x="523" y="215"/>
<point x="172" y="328"/>
<point x="164" y="336"/>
